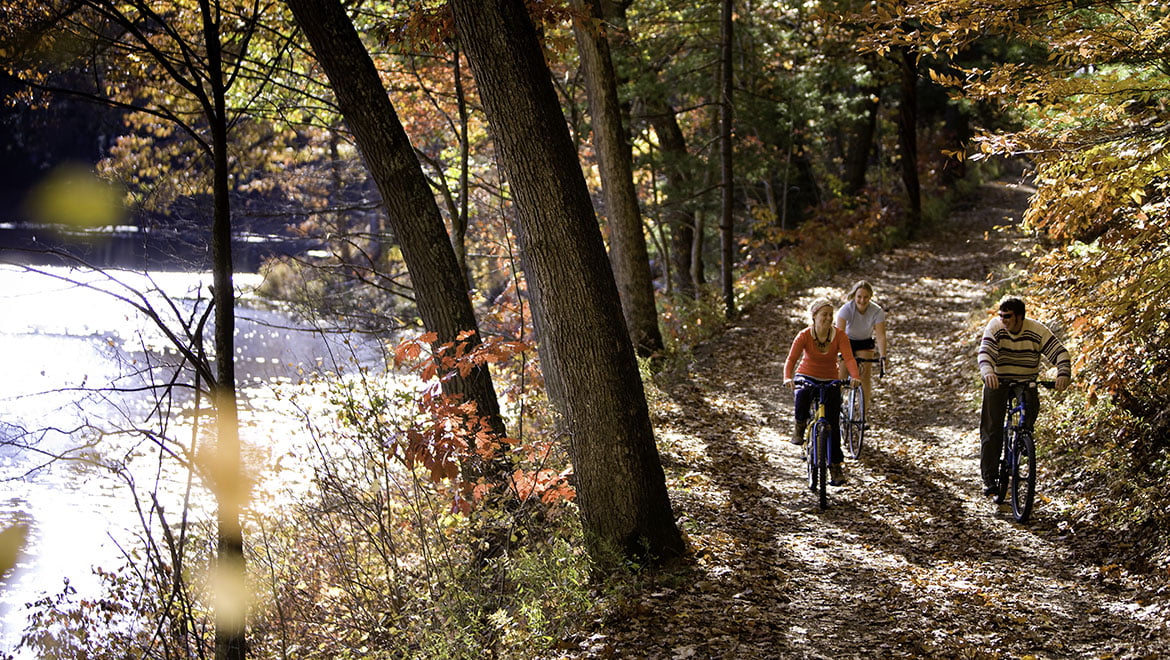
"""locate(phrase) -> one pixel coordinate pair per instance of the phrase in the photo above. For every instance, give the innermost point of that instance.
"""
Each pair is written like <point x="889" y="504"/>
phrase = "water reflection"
<point x="64" y="342"/>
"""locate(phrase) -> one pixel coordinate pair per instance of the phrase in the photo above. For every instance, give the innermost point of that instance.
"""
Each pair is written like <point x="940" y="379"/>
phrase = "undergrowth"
<point x="389" y="554"/>
<point x="1105" y="453"/>
<point x="1112" y="467"/>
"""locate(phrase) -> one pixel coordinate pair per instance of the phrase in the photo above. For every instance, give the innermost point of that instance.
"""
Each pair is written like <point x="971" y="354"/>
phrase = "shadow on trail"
<point x="909" y="560"/>
<point x="901" y="564"/>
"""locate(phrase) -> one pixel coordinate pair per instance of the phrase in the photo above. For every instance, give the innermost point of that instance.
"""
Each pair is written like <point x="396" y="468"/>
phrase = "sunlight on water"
<point x="61" y="341"/>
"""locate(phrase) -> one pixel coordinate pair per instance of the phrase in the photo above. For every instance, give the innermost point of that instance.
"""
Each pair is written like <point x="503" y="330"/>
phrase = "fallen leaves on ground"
<point x="909" y="560"/>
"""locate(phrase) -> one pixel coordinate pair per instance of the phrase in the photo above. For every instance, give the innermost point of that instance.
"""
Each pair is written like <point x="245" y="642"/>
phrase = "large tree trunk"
<point x="726" y="173"/>
<point x="908" y="137"/>
<point x="627" y="242"/>
<point x="586" y="354"/>
<point x="439" y="282"/>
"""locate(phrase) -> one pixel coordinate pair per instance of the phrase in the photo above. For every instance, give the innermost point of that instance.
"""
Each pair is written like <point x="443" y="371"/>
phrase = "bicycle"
<point x="818" y="436"/>
<point x="853" y="422"/>
<point x="1017" y="466"/>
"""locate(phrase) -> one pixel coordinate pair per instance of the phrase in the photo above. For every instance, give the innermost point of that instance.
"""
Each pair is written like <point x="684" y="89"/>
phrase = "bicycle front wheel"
<point x="847" y="431"/>
<point x="1005" y="466"/>
<point x="853" y="426"/>
<point x="810" y="457"/>
<point x="818" y="463"/>
<point x="1023" y="476"/>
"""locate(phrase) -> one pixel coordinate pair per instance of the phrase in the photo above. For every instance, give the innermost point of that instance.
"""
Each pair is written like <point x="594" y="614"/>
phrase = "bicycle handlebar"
<point x="802" y="381"/>
<point x="881" y="360"/>
<point x="1049" y="384"/>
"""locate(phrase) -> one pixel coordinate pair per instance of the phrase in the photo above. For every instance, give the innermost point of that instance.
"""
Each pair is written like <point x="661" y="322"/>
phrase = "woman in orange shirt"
<point x="813" y="357"/>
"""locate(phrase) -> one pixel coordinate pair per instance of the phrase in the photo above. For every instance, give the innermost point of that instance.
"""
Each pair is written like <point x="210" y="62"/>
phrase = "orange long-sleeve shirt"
<point x="815" y="364"/>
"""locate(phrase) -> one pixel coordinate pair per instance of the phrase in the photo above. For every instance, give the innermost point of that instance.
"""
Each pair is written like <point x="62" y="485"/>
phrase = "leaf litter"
<point x="910" y="560"/>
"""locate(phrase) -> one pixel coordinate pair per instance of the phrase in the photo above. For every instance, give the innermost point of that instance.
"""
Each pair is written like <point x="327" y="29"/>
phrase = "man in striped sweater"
<point x="1010" y="351"/>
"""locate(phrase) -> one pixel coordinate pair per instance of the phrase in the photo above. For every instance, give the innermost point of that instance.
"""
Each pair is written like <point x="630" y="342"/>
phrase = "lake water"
<point x="63" y="338"/>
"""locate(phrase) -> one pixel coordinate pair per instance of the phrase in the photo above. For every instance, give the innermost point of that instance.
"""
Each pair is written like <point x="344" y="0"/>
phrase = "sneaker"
<point x="798" y="434"/>
<point x="836" y="475"/>
<point x="991" y="490"/>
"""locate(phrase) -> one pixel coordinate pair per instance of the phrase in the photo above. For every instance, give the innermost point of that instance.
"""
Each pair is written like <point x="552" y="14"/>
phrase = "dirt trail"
<point x="910" y="560"/>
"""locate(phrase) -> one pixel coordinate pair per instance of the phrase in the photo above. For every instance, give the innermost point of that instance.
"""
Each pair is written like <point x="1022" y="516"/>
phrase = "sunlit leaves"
<point x="547" y="485"/>
<point x="434" y="360"/>
<point x="1096" y="133"/>
<point x="450" y="430"/>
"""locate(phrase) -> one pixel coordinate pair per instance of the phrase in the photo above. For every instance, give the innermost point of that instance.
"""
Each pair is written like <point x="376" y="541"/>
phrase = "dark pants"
<point x="991" y="427"/>
<point x="804" y="398"/>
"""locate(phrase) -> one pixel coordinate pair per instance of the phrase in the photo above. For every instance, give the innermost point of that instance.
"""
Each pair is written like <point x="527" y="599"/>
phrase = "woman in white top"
<point x="865" y="325"/>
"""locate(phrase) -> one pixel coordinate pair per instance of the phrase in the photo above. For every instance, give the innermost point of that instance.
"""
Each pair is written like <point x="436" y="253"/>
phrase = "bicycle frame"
<point x="1017" y="471"/>
<point x="818" y="438"/>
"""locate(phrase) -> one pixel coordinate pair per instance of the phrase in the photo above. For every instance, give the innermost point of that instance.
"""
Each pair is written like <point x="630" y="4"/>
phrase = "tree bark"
<point x="460" y="219"/>
<point x="908" y="138"/>
<point x="726" y="172"/>
<point x="438" y="280"/>
<point x="698" y="278"/>
<point x="861" y="143"/>
<point x="228" y="479"/>
<point x="586" y="354"/>
<point x="673" y="146"/>
<point x="627" y="242"/>
<point x="675" y="213"/>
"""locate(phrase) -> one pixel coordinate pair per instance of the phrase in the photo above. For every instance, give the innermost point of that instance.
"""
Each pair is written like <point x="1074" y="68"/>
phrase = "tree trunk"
<point x="439" y="283"/>
<point x="681" y="221"/>
<point x="726" y="173"/>
<point x="861" y="143"/>
<point x="696" y="252"/>
<point x="586" y="354"/>
<point x="673" y="146"/>
<point x="227" y="479"/>
<point x="460" y="219"/>
<point x="956" y="132"/>
<point x="908" y="138"/>
<point x="627" y="242"/>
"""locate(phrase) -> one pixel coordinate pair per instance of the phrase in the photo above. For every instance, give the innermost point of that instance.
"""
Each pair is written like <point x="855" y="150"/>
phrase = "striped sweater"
<point x="1017" y="357"/>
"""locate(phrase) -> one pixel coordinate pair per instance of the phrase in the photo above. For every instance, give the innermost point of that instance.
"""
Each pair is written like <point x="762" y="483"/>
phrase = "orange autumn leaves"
<point x="455" y="432"/>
